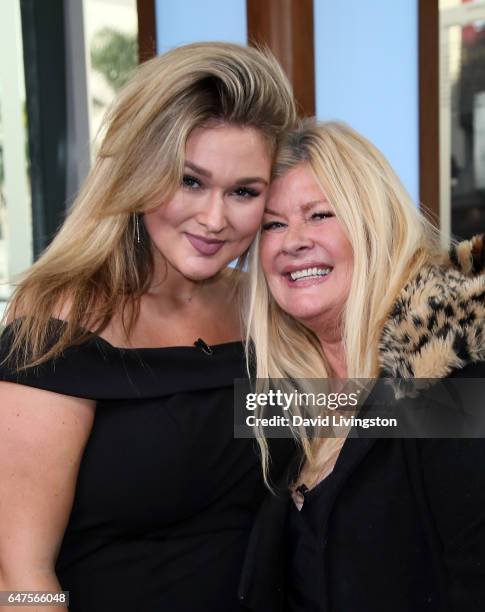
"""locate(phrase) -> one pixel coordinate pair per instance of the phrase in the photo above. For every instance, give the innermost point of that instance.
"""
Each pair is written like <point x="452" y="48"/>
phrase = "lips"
<point x="204" y="246"/>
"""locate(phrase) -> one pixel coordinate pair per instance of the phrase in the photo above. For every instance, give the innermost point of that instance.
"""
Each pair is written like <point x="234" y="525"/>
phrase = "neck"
<point x="333" y="349"/>
<point x="171" y="289"/>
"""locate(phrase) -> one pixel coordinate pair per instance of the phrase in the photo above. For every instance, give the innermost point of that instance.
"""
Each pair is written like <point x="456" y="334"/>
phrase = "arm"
<point x="454" y="485"/>
<point x="43" y="435"/>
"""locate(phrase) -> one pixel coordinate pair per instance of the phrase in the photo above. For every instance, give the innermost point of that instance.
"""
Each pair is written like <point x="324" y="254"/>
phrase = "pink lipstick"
<point x="204" y="246"/>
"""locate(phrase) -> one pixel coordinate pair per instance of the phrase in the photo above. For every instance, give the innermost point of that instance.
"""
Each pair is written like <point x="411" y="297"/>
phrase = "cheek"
<point x="340" y="248"/>
<point x="247" y="222"/>
<point x="348" y="259"/>
<point x="266" y="251"/>
<point x="347" y="269"/>
<point x="152" y="223"/>
<point x="169" y="214"/>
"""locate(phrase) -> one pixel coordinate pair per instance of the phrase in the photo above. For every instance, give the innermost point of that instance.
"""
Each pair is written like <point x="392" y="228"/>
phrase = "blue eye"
<point x="191" y="182"/>
<point x="272" y="225"/>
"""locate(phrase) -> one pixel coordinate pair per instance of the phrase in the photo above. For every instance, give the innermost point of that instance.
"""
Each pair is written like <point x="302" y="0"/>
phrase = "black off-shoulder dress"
<point x="165" y="495"/>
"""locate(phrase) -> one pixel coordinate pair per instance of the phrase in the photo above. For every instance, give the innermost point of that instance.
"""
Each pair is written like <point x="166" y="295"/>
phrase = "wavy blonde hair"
<point x="391" y="240"/>
<point x="94" y="261"/>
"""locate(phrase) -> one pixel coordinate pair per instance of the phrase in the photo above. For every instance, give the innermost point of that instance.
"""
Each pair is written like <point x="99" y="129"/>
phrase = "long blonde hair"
<point x="390" y="239"/>
<point x="94" y="262"/>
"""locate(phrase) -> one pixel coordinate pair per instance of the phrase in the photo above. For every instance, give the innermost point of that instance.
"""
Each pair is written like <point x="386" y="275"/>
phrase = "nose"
<point x="213" y="214"/>
<point x="296" y="240"/>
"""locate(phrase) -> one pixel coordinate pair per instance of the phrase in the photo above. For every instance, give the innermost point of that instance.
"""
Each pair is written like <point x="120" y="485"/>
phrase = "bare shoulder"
<point x="35" y="407"/>
<point x="43" y="438"/>
<point x="42" y="426"/>
<point x="31" y="416"/>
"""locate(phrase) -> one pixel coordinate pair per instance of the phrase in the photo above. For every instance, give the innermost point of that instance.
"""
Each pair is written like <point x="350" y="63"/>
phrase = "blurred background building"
<point x="409" y="74"/>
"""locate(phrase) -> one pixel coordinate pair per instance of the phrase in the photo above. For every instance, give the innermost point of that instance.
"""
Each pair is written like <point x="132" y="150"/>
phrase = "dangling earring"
<point x="137" y="227"/>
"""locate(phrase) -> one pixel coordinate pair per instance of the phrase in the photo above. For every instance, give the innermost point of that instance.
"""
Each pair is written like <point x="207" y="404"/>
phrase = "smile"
<point x="309" y="273"/>
<point x="204" y="246"/>
<point x="306" y="275"/>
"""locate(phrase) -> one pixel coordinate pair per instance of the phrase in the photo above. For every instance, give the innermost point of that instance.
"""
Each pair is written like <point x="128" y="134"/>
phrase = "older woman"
<point x="348" y="280"/>
<point x="120" y="480"/>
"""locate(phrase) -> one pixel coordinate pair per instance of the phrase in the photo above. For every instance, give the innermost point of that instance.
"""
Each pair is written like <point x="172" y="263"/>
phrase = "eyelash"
<point x="266" y="227"/>
<point x="246" y="192"/>
<point x="191" y="182"/>
<point x="317" y="216"/>
<point x="322" y="215"/>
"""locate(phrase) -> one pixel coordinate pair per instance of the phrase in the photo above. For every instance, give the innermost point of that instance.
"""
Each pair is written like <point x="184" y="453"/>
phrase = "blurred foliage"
<point x="115" y="55"/>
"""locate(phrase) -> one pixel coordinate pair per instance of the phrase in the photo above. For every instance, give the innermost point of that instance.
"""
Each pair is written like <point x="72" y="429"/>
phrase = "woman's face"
<point x="216" y="211"/>
<point x="305" y="253"/>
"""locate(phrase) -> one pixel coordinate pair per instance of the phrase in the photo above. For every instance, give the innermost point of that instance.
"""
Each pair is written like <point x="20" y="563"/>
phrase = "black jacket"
<point x="404" y="531"/>
<point x="403" y="528"/>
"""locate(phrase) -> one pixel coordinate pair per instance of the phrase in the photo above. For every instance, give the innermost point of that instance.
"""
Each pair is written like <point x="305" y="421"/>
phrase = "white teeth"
<point x="309" y="273"/>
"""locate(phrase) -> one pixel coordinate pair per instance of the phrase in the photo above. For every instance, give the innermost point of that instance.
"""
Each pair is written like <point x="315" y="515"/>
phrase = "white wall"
<point x="366" y="63"/>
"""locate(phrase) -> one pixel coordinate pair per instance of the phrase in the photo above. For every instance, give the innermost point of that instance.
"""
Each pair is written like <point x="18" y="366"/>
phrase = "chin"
<point x="304" y="312"/>
<point x="202" y="273"/>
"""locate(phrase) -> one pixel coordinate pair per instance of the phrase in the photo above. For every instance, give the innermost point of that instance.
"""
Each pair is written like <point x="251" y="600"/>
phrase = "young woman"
<point x="120" y="479"/>
<point x="348" y="280"/>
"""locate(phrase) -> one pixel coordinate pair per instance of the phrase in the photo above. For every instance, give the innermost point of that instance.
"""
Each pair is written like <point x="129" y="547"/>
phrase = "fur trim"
<point x="437" y="322"/>
<point x="469" y="256"/>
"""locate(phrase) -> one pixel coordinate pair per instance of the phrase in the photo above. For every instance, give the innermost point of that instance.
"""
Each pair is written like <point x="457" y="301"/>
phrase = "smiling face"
<point x="215" y="213"/>
<point x="305" y="254"/>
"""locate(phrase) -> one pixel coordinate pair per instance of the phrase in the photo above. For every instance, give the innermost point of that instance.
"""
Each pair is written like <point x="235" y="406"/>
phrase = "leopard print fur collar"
<point x="437" y="323"/>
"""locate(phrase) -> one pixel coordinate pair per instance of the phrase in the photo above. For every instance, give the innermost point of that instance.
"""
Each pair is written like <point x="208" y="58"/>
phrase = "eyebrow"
<point x="308" y="205"/>
<point x="198" y="169"/>
<point x="305" y="207"/>
<point x="241" y="181"/>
